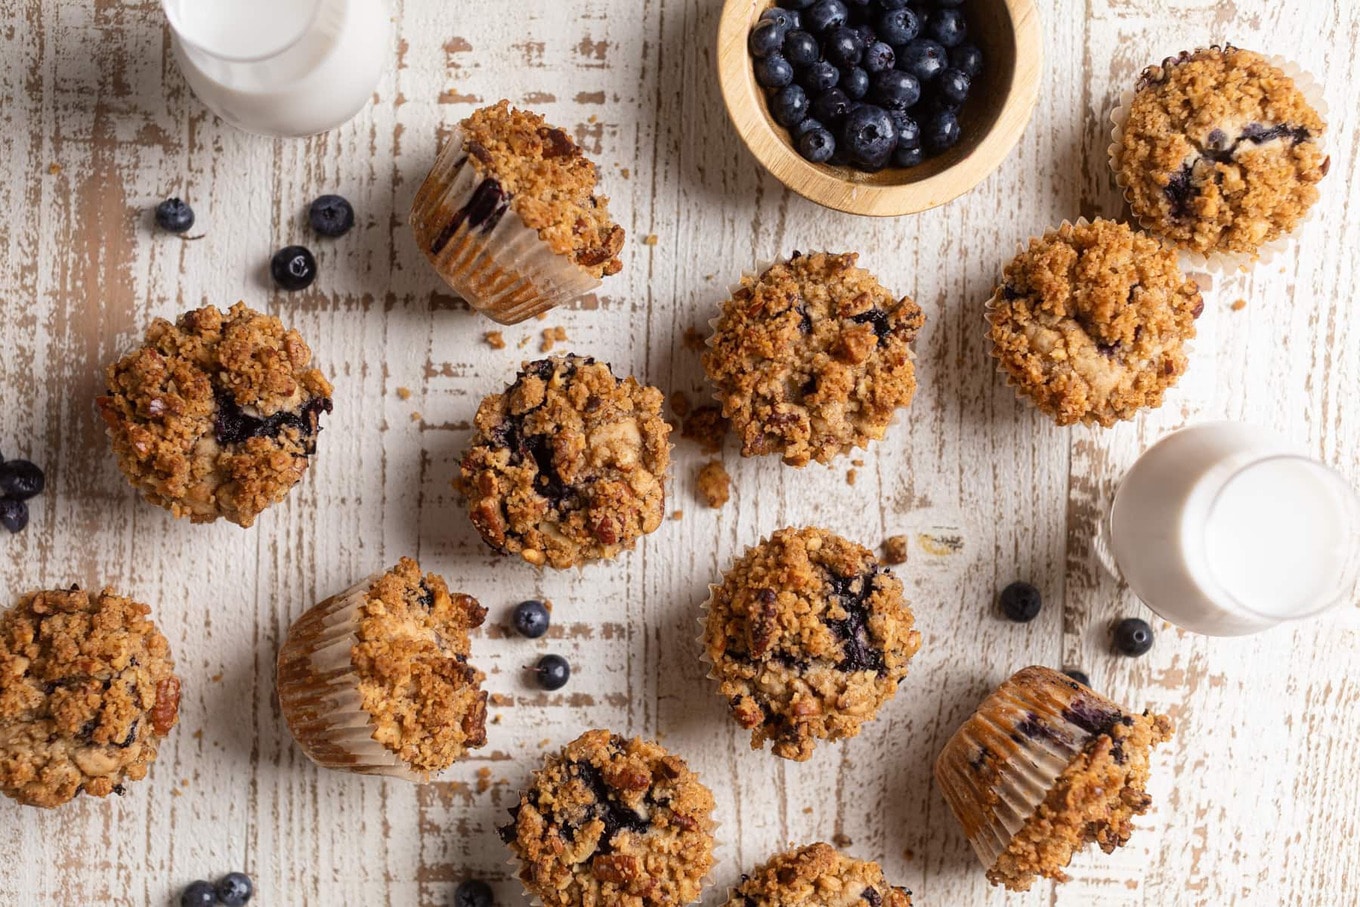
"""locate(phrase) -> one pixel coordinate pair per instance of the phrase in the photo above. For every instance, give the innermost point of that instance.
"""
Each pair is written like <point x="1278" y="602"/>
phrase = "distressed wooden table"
<point x="1256" y="799"/>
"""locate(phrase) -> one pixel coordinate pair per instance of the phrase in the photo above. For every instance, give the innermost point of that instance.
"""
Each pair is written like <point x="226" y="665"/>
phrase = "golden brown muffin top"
<point x="817" y="876"/>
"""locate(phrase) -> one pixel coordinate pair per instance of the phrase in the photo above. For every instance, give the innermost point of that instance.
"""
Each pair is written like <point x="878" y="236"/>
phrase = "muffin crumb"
<point x="715" y="485"/>
<point x="494" y="339"/>
<point x="895" y="550"/>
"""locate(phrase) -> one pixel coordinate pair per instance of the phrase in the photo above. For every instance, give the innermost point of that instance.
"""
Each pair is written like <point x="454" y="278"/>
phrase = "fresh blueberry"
<point x="843" y="47"/>
<point x="819" y="77"/>
<point x="817" y="145"/>
<point x="807" y="125"/>
<point x="789" y="105"/>
<point x="951" y="88"/>
<point x="293" y="268"/>
<point x="1133" y="637"/>
<point x="785" y="17"/>
<point x="948" y="27"/>
<point x="1079" y="676"/>
<point x="13" y="514"/>
<point x="801" y="49"/>
<point x="967" y="59"/>
<point x="908" y="131"/>
<point x="908" y="157"/>
<point x="198" y="894"/>
<point x="829" y="107"/>
<point x="796" y="4"/>
<point x="894" y="89"/>
<point x="923" y="58"/>
<point x="898" y="26"/>
<point x="1021" y="602"/>
<point x="866" y="33"/>
<point x="552" y="672"/>
<point x="234" y="889"/>
<point x="879" y="57"/>
<point x="941" y="131"/>
<point x="531" y="618"/>
<point x="825" y="14"/>
<point x="774" y="71"/>
<point x="766" y="38"/>
<point x="473" y="893"/>
<point x="21" y="480"/>
<point x="331" y="215"/>
<point x="854" y="82"/>
<point x="174" y="216"/>
<point x="869" y="135"/>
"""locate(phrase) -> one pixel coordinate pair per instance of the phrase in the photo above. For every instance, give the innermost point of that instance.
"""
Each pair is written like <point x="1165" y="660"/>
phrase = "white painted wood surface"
<point x="1256" y="798"/>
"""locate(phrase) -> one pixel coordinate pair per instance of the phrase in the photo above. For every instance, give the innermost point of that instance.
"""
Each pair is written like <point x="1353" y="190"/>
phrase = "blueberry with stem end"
<point x="235" y="889"/>
<point x="898" y="26"/>
<point x="198" y="894"/>
<point x="13" y="514"/>
<point x="552" y="672"/>
<point x="819" y="77"/>
<point x="331" y="215"/>
<point x="1021" y="602"/>
<point x="531" y="618"/>
<point x="21" y="480"/>
<point x="174" y="216"/>
<point x="817" y="146"/>
<point x="826" y="14"/>
<point x="1132" y="637"/>
<point x="473" y="893"/>
<point x="869" y="136"/>
<point x="773" y="71"/>
<point x="908" y="131"/>
<point x="830" y="107"/>
<point x="878" y="57"/>
<point x="293" y="268"/>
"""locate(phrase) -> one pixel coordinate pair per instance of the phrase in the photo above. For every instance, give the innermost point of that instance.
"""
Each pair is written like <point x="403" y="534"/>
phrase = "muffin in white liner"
<point x="509" y="217"/>
<point x="1042" y="768"/>
<point x="375" y="680"/>
<point x="1224" y="174"/>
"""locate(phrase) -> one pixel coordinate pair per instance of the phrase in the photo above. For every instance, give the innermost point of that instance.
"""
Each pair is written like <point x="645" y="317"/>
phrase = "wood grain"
<point x="1256" y="796"/>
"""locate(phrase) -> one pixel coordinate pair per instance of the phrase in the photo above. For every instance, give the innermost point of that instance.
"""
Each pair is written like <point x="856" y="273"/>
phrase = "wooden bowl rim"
<point x="827" y="188"/>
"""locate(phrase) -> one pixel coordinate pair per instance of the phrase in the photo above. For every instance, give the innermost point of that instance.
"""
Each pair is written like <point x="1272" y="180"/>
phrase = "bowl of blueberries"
<point x="880" y="107"/>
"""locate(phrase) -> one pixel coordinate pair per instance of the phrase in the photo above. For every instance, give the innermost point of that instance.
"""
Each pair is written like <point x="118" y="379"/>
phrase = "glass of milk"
<point x="282" y="67"/>
<point x="1225" y="529"/>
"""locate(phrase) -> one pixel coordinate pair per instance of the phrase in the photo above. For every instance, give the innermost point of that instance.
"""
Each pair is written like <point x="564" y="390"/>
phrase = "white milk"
<point x="1224" y="529"/>
<point x="282" y="67"/>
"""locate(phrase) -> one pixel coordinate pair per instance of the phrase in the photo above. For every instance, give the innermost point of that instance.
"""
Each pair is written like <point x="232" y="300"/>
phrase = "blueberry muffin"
<point x="817" y="876"/>
<point x="808" y="635"/>
<point x="87" y="692"/>
<point x="613" y="821"/>
<point x="1219" y="152"/>
<point x="568" y="465"/>
<point x="1044" y="767"/>
<point x="216" y="415"/>
<point x="376" y="680"/>
<point x="1090" y="322"/>
<point x="510" y="216"/>
<point x="812" y="358"/>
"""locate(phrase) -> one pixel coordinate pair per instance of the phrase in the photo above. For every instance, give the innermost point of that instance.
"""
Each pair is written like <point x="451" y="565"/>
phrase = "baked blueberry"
<point x="293" y="268"/>
<point x="924" y="59"/>
<point x="198" y="894"/>
<point x="908" y="131"/>
<point x="801" y="49"/>
<point x="1079" y="676"/>
<point x="789" y="105"/>
<point x="829" y="107"/>
<point x="531" y="619"/>
<point x="818" y="77"/>
<point x="552" y="672"/>
<point x="951" y="88"/>
<point x="785" y="17"/>
<point x="826" y="14"/>
<point x="854" y="82"/>
<point x="473" y="893"/>
<point x="908" y="157"/>
<point x="1132" y="637"/>
<point x="941" y="131"/>
<point x="774" y="71"/>
<point x="894" y="89"/>
<point x="817" y="145"/>
<point x="844" y="47"/>
<point x="20" y="480"/>
<point x="1021" y="602"/>
<point x="898" y="26"/>
<point x="331" y="215"/>
<point x="879" y="57"/>
<point x="13" y="514"/>
<point x="869" y="135"/>
<point x="174" y="216"/>
<point x="235" y="889"/>
<point x="967" y="58"/>
<point x="948" y="27"/>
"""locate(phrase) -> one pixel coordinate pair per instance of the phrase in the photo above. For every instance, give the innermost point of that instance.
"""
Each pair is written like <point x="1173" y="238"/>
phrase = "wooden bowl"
<point x="992" y="119"/>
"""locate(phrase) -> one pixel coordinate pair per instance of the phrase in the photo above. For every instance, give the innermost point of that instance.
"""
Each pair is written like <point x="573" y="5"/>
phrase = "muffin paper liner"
<point x="1216" y="262"/>
<point x="319" y="690"/>
<point x="504" y="271"/>
<point x="1030" y="729"/>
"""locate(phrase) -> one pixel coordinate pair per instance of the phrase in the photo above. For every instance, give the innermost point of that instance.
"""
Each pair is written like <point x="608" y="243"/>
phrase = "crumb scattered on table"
<point x="908" y="854"/>
<point x="483" y="780"/>
<point x="695" y="339"/>
<point x="541" y="316"/>
<point x="524" y="341"/>
<point x="54" y="168"/>
<point x="415" y="417"/>
<point x="500" y="700"/>
<point x="856" y="462"/>
<point x="707" y="427"/>
<point x="216" y="678"/>
<point x="842" y="840"/>
<point x="678" y="515"/>
<point x="404" y="393"/>
<point x="895" y="550"/>
<point x="850" y="476"/>
<point x="494" y="339"/>
<point x="649" y="239"/>
<point x="715" y="485"/>
<point x="552" y="336"/>
<point x="1239" y="305"/>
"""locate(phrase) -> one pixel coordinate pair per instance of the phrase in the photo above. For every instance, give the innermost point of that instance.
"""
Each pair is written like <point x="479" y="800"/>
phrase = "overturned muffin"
<point x="1044" y="767"/>
<point x="569" y="464"/>
<point x="817" y="876"/>
<point x="217" y="414"/>
<point x="87" y="692"/>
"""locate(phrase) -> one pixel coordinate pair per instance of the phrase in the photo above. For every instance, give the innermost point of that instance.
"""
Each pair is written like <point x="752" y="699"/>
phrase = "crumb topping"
<point x="715" y="485"/>
<point x="817" y="876"/>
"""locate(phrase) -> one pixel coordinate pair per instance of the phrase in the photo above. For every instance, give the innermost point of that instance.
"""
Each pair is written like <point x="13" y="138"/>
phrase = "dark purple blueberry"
<point x="923" y="58"/>
<point x="1132" y="637"/>
<point x="785" y="17"/>
<point x="789" y="105"/>
<point x="866" y="33"/>
<point x="967" y="58"/>
<point x="819" y="77"/>
<point x="21" y="480"/>
<point x="854" y="82"/>
<point x="951" y="88"/>
<point x="331" y="215"/>
<point x="879" y="57"/>
<point x="894" y="89"/>
<point x="198" y="894"/>
<point x="801" y="49"/>
<point x="473" y="893"/>
<point x="908" y="131"/>
<point x="1079" y="676"/>
<point x="1021" y="602"/>
<point x="830" y="106"/>
<point x="13" y="514"/>
<point x="796" y="4"/>
<point x="826" y="14"/>
<point x="293" y="268"/>
<point x="552" y="672"/>
<point x="941" y="131"/>
<point x="766" y="38"/>
<point x="531" y="619"/>
<point x="235" y="889"/>
<point x="807" y="125"/>
<point x="948" y="27"/>
<point x="843" y="47"/>
<point x="817" y="145"/>
<point x="908" y="157"/>
<point x="898" y="26"/>
<point x="174" y="216"/>
<point x="869" y="136"/>
<point x="774" y="71"/>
